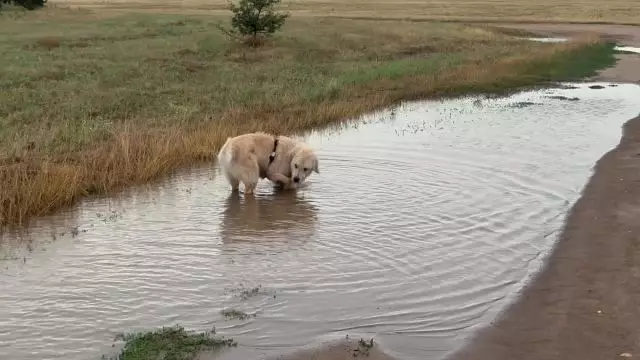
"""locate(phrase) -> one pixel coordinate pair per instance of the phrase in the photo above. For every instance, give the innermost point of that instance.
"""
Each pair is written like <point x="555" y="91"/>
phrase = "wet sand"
<point x="344" y="350"/>
<point x="584" y="304"/>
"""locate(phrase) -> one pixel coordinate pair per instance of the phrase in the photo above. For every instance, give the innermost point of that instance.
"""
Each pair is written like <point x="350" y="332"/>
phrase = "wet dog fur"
<point x="246" y="158"/>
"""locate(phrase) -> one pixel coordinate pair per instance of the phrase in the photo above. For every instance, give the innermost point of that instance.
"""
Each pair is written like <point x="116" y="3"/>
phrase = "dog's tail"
<point x="227" y="153"/>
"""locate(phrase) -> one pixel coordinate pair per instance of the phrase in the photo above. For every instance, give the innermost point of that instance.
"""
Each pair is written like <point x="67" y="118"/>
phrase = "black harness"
<point x="273" y="153"/>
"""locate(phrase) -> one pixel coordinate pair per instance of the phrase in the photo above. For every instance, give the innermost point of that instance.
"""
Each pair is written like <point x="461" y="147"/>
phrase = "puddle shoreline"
<point x="627" y="67"/>
<point x="480" y="205"/>
<point x="532" y="316"/>
<point x="619" y="48"/>
<point x="576" y="306"/>
<point x="291" y="292"/>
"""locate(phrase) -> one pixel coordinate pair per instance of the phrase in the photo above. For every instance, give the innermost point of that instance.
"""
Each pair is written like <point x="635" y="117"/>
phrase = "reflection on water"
<point x="250" y="223"/>
<point x="424" y="222"/>
<point x="631" y="49"/>
<point x="548" y="39"/>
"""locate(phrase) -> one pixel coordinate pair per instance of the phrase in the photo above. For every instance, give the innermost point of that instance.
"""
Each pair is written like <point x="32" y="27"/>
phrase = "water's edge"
<point x="584" y="268"/>
<point x="418" y="266"/>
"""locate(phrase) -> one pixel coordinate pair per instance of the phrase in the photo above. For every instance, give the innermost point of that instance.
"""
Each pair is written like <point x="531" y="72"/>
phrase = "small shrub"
<point x="27" y="4"/>
<point x="256" y="19"/>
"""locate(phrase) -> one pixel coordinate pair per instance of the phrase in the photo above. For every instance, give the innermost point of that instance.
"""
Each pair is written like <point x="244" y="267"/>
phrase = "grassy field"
<point x="95" y="100"/>
<point x="612" y="11"/>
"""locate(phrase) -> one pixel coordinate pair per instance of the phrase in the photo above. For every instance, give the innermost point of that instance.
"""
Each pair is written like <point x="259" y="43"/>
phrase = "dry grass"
<point x="612" y="11"/>
<point x="90" y="104"/>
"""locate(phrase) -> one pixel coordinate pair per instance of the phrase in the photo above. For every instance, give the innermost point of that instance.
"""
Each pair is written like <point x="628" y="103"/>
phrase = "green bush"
<point x="256" y="18"/>
<point x="27" y="4"/>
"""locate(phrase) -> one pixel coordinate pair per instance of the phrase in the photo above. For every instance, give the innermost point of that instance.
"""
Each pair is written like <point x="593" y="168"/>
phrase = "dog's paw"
<point x="285" y="186"/>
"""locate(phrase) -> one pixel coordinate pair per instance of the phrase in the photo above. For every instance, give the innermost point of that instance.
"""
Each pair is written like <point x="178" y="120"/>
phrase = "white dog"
<point x="249" y="157"/>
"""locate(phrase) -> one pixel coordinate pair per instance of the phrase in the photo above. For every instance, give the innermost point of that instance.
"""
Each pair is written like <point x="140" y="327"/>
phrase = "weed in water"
<point x="168" y="343"/>
<point x="236" y="314"/>
<point x="561" y="97"/>
<point x="244" y="293"/>
<point x="363" y="348"/>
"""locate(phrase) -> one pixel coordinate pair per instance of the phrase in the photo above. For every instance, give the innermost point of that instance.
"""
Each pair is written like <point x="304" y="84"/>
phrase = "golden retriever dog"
<point x="249" y="157"/>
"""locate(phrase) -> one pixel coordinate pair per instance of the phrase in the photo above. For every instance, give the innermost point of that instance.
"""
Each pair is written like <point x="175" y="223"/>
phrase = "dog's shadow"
<point x="281" y="217"/>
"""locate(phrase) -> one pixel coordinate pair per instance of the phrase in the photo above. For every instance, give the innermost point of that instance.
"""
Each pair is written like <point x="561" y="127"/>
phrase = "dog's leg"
<point x="249" y="188"/>
<point x="250" y="184"/>
<point x="280" y="178"/>
<point x="235" y="183"/>
<point x="251" y="176"/>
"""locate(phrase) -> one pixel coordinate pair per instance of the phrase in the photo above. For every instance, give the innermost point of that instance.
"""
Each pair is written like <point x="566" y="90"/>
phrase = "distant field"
<point x="95" y="99"/>
<point x="612" y="11"/>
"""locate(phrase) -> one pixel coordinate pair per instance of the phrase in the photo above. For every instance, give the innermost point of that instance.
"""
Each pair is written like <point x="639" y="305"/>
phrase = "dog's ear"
<point x="315" y="167"/>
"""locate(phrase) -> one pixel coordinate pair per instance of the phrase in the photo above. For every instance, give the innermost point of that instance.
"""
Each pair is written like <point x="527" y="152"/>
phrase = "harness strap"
<point x="273" y="153"/>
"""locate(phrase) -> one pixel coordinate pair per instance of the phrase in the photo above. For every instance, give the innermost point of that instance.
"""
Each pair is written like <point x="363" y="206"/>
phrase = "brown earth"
<point x="585" y="303"/>
<point x="344" y="350"/>
<point x="347" y="349"/>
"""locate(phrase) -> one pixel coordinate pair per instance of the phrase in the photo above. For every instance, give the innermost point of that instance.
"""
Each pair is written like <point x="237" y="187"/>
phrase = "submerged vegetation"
<point x="96" y="101"/>
<point x="168" y="343"/>
<point x="231" y="314"/>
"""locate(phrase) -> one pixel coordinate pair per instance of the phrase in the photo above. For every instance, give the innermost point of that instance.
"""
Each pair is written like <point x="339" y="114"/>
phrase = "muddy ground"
<point x="585" y="304"/>
<point x="344" y="350"/>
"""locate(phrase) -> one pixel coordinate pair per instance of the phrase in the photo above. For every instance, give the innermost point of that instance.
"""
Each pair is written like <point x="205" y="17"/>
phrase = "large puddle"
<point x="424" y="222"/>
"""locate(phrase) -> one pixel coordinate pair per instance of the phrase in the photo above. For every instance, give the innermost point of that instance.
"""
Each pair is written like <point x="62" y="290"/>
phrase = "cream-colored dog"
<point x="281" y="159"/>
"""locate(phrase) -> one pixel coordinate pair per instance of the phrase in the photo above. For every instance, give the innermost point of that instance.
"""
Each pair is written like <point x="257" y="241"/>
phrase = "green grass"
<point x="586" y="63"/>
<point x="92" y="102"/>
<point x="574" y="65"/>
<point x="67" y="84"/>
<point x="168" y="343"/>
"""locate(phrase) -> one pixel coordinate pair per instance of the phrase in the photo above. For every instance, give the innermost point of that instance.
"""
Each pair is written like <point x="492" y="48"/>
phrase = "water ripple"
<point x="418" y="230"/>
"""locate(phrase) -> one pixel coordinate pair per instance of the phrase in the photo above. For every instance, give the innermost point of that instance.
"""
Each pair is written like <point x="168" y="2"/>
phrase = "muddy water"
<point x="424" y="222"/>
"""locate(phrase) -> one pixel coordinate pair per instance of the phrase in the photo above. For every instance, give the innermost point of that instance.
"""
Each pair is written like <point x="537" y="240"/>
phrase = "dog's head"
<point x="304" y="162"/>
